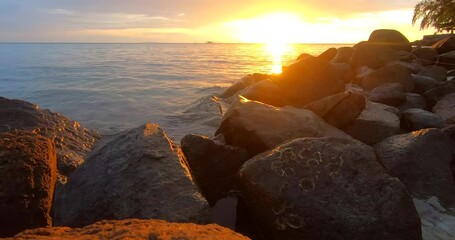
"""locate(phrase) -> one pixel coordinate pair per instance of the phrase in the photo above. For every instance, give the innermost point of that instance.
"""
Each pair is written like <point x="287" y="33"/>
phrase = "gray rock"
<point x="423" y="84"/>
<point x="28" y="172"/>
<point x="422" y="161"/>
<point x="214" y="166"/>
<point x="372" y="55"/>
<point x="325" y="188"/>
<point x="426" y="55"/>
<point x="141" y="173"/>
<point x="415" y="119"/>
<point x="438" y="73"/>
<point x="391" y="73"/>
<point x="258" y="127"/>
<point x="72" y="141"/>
<point x="390" y="94"/>
<point x="374" y="124"/>
<point x="433" y="95"/>
<point x="413" y="100"/>
<point x="446" y="108"/>
<point x="340" y="109"/>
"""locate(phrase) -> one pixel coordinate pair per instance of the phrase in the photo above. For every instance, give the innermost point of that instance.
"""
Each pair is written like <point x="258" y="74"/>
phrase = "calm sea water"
<point x="112" y="87"/>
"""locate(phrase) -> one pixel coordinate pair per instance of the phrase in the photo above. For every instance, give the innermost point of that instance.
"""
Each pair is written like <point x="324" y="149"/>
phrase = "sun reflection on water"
<point x="276" y="51"/>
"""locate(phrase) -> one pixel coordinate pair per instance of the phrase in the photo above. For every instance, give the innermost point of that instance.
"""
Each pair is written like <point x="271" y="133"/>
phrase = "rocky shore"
<point x="356" y="143"/>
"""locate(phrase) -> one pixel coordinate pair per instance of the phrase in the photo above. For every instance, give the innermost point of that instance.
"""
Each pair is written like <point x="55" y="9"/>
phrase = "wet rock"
<point x="243" y="83"/>
<point x="265" y="91"/>
<point x="423" y="83"/>
<point x="134" y="229"/>
<point x="445" y="45"/>
<point x="413" y="100"/>
<point x="390" y="38"/>
<point x="374" y="124"/>
<point x="213" y="165"/>
<point x="258" y="127"/>
<point x="438" y="73"/>
<point x="28" y="172"/>
<point x="433" y="95"/>
<point x="72" y="141"/>
<point x="141" y="173"/>
<point x="340" y="109"/>
<point x="390" y="94"/>
<point x="446" y="108"/>
<point x="344" y="55"/>
<point x="422" y="161"/>
<point x="325" y="188"/>
<point x="308" y="80"/>
<point x="415" y="119"/>
<point x="426" y="55"/>
<point x="391" y="73"/>
<point x="200" y="117"/>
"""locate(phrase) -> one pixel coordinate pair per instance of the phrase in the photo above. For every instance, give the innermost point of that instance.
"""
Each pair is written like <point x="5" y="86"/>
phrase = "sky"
<point x="299" y="21"/>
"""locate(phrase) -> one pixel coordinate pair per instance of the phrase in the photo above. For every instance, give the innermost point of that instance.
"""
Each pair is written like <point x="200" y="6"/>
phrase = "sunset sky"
<point x="302" y="21"/>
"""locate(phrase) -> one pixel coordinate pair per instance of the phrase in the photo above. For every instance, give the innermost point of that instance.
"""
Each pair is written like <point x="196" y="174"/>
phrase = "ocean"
<point x="113" y="87"/>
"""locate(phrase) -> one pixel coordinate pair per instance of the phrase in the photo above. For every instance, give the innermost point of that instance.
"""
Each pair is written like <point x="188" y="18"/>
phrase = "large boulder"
<point x="438" y="73"/>
<point x="445" y="45"/>
<point x="422" y="161"/>
<point x="375" y="123"/>
<point x="415" y="119"/>
<point x="309" y="79"/>
<point x="413" y="100"/>
<point x="141" y="173"/>
<point x="134" y="229"/>
<point x="326" y="188"/>
<point x="28" y="172"/>
<point x="372" y="55"/>
<point x="446" y="108"/>
<point x="258" y="127"/>
<point x="340" y="109"/>
<point x="390" y="94"/>
<point x="391" y="73"/>
<point x="213" y="165"/>
<point x="72" y="141"/>
<point x="390" y="38"/>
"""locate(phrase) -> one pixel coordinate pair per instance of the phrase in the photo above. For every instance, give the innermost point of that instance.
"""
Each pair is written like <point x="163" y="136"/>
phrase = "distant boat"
<point x="208" y="42"/>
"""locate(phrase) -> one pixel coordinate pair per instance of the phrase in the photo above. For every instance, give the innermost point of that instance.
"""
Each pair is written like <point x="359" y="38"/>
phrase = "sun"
<point x="275" y="30"/>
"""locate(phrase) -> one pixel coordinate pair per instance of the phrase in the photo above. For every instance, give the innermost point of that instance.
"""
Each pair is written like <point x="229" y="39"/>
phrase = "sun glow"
<point x="275" y="30"/>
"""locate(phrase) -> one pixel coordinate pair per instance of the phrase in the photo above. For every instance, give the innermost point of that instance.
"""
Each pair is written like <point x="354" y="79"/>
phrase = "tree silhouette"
<point x="439" y="14"/>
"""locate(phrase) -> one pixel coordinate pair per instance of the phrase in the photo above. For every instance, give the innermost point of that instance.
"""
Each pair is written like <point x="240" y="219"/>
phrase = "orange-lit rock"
<point x="28" y="172"/>
<point x="134" y="229"/>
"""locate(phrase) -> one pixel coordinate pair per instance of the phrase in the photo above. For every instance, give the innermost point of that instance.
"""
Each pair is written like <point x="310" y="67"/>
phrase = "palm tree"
<point x="439" y="14"/>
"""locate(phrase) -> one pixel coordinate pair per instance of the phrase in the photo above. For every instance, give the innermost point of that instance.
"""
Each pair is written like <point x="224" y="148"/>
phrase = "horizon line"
<point x="208" y="43"/>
